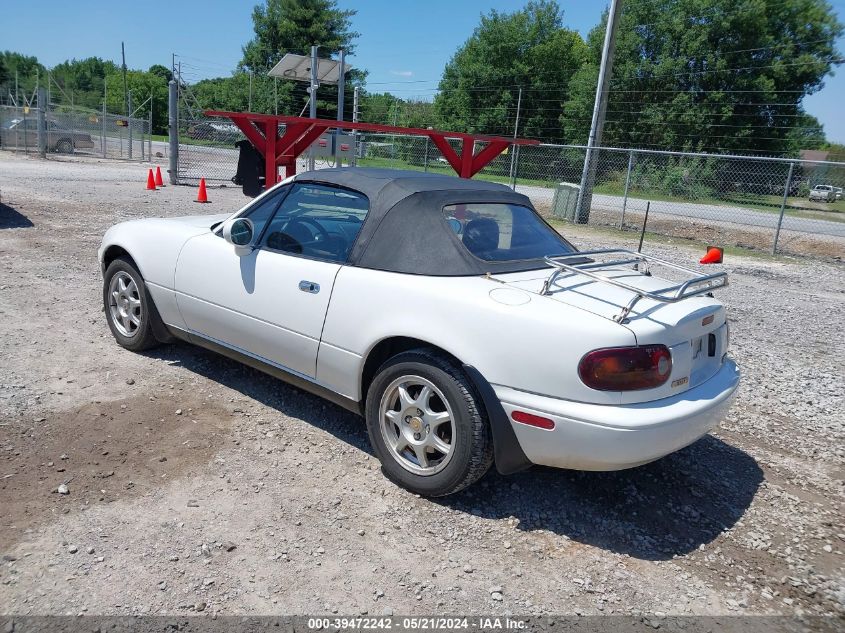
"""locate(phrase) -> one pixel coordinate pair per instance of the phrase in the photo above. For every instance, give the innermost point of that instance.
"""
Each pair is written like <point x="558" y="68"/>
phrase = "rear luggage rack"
<point x="697" y="284"/>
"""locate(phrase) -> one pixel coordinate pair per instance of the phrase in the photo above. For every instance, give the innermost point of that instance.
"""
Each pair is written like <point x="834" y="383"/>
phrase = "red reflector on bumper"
<point x="532" y="420"/>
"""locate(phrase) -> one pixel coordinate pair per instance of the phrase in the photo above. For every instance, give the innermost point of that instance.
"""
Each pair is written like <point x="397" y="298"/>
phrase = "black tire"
<point x="472" y="442"/>
<point x="64" y="146"/>
<point x="140" y="336"/>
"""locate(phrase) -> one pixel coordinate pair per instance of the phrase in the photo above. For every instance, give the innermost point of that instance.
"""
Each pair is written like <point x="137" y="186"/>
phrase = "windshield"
<point x="504" y="232"/>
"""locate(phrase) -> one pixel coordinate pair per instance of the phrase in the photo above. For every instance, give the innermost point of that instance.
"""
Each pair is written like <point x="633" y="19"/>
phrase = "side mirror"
<point x="239" y="232"/>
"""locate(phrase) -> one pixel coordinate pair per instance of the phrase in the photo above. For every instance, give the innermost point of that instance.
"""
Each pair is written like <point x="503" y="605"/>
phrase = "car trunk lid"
<point x="693" y="329"/>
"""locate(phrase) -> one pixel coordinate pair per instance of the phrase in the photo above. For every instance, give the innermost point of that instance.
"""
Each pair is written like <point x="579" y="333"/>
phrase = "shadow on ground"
<point x="654" y="512"/>
<point x="11" y="218"/>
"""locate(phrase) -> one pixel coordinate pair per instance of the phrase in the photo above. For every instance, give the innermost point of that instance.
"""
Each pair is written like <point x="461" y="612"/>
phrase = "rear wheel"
<point x="426" y="424"/>
<point x="128" y="306"/>
<point x="64" y="146"/>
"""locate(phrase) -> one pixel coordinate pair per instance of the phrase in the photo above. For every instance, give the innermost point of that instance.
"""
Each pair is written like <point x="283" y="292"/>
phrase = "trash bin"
<point x="565" y="203"/>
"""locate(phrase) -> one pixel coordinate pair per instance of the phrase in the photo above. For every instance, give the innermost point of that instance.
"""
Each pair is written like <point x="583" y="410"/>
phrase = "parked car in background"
<point x="838" y="192"/>
<point x="221" y="132"/>
<point x="822" y="193"/>
<point x="23" y="133"/>
<point x="462" y="327"/>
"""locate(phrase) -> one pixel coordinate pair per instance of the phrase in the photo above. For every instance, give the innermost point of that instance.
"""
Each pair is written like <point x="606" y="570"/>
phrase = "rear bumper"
<point x="602" y="437"/>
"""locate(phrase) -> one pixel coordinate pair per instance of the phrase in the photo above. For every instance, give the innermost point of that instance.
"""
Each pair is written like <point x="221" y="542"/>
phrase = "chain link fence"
<point x="207" y="150"/>
<point x="776" y="205"/>
<point x="74" y="131"/>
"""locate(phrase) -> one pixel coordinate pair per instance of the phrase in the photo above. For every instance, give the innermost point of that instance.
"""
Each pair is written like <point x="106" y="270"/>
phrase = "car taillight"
<point x="626" y="368"/>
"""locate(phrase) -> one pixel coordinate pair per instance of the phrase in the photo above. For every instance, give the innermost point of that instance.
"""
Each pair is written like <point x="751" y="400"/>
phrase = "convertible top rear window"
<point x="500" y="232"/>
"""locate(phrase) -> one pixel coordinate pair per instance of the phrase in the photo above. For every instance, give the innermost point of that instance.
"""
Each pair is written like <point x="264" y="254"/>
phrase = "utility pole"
<point x="312" y="92"/>
<point x="341" y="89"/>
<point x="125" y="92"/>
<point x="588" y="176"/>
<point x="514" y="147"/>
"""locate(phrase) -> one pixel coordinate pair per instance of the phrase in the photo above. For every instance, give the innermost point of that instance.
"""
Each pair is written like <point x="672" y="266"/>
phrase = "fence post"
<point x="173" y="131"/>
<point x="783" y="207"/>
<point x="150" y="133"/>
<point x="129" y="122"/>
<point x="514" y="165"/>
<point x="42" y="122"/>
<point x="425" y="159"/>
<point x="627" y="185"/>
<point x="103" y="133"/>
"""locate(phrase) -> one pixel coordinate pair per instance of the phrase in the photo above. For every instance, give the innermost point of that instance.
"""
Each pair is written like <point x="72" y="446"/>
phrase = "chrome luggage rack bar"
<point x="697" y="284"/>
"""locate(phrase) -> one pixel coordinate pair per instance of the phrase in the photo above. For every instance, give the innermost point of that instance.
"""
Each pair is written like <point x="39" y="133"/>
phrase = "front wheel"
<point x="427" y="425"/>
<point x="128" y="306"/>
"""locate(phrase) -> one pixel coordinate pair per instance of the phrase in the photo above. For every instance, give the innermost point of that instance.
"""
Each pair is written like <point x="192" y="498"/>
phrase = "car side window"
<point x="317" y="221"/>
<point x="261" y="212"/>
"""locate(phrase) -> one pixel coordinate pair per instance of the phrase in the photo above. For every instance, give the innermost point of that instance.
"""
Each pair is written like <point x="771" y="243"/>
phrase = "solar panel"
<point x="298" y="68"/>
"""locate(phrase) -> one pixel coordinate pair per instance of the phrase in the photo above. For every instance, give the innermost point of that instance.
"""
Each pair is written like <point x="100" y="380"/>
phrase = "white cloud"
<point x="402" y="73"/>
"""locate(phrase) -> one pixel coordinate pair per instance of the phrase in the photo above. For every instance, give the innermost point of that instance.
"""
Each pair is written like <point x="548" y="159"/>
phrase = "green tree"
<point x="27" y="69"/>
<point x="161" y="71"/>
<point x="836" y="151"/>
<point x="808" y="133"/>
<point x="377" y="107"/>
<point x="293" y="26"/>
<point x="81" y="82"/>
<point x="528" y="49"/>
<point x="144" y="85"/>
<point x="715" y="75"/>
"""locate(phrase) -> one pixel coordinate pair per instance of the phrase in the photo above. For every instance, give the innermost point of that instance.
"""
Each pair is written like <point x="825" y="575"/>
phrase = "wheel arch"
<point x="508" y="454"/>
<point x="389" y="347"/>
<point x="116" y="251"/>
<point x="113" y="251"/>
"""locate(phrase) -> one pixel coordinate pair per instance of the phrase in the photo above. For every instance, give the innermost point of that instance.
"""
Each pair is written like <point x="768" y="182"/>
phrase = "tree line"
<point x="84" y="84"/>
<point x="692" y="75"/>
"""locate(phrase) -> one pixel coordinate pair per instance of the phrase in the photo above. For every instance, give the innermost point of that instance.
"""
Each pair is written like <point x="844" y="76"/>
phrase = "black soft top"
<point x="405" y="230"/>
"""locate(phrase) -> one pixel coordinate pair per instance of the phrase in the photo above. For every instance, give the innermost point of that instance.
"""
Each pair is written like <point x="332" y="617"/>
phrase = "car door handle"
<point x="309" y="286"/>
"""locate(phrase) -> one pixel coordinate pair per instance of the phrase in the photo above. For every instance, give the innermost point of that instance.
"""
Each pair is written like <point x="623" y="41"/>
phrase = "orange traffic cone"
<point x="151" y="183"/>
<point x="202" y="195"/>
<point x="159" y="181"/>
<point x="713" y="256"/>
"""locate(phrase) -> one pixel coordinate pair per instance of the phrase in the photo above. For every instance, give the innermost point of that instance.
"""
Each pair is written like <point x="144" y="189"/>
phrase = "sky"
<point x="404" y="44"/>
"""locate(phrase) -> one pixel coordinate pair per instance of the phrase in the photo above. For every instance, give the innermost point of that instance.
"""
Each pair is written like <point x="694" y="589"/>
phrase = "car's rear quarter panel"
<point x="534" y="346"/>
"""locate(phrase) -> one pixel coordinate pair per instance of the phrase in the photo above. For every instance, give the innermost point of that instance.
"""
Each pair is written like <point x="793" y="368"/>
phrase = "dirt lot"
<point x="196" y="484"/>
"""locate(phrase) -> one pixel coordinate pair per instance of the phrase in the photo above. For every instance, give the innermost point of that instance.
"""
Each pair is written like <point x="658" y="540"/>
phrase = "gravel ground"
<point x="195" y="484"/>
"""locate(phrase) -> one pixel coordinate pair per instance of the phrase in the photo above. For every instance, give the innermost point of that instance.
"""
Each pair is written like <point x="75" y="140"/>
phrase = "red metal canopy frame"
<point x="262" y="130"/>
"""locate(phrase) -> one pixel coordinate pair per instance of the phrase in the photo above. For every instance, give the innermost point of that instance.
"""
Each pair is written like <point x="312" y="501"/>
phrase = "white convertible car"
<point x="461" y="326"/>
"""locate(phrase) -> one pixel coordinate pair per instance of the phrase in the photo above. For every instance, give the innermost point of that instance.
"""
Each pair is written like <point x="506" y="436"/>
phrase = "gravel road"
<point x="194" y="484"/>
